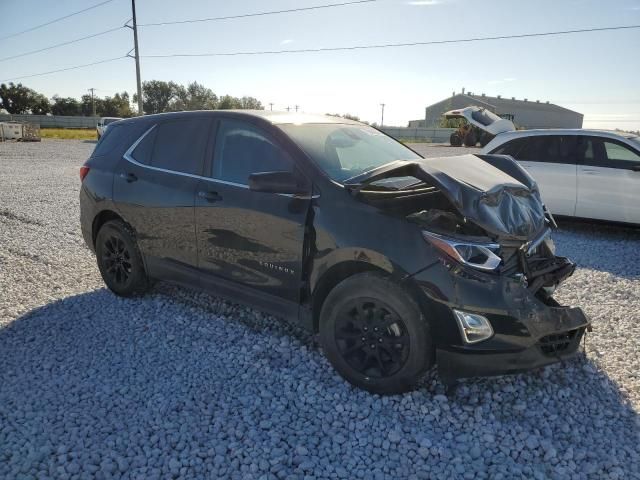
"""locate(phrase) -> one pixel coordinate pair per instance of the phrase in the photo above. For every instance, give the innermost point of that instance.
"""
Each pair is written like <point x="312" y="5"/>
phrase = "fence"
<point x="53" y="121"/>
<point x="433" y="135"/>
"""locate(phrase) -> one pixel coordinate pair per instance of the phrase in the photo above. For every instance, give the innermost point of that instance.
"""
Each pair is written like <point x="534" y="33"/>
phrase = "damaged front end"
<point x="492" y="284"/>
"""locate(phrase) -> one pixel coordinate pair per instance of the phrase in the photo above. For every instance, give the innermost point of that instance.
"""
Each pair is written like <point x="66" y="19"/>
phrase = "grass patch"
<point x="69" y="133"/>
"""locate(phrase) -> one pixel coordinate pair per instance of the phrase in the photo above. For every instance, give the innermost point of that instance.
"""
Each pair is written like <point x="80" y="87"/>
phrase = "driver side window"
<point x="242" y="149"/>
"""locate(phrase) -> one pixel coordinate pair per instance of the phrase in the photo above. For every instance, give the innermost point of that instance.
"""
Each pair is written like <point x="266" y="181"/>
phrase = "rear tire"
<point x="455" y="140"/>
<point x="119" y="260"/>
<point x="397" y="348"/>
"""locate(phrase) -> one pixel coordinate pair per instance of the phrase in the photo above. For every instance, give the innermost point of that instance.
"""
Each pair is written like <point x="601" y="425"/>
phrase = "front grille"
<point x="560" y="343"/>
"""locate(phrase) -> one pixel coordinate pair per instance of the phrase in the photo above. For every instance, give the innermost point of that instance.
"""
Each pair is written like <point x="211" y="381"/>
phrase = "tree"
<point x="158" y="96"/>
<point x="195" y="97"/>
<point x="250" y="103"/>
<point x="228" y="102"/>
<point x="116" y="106"/>
<point x="86" y="105"/>
<point x="451" y="122"/>
<point x="65" y="106"/>
<point x="18" y="99"/>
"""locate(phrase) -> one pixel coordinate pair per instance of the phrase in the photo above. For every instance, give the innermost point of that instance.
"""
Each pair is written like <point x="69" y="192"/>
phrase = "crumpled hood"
<point x="492" y="191"/>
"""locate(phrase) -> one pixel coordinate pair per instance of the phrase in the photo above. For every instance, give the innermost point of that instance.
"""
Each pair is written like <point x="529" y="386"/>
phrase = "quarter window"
<point x="142" y="153"/>
<point x="242" y="149"/>
<point x="180" y="145"/>
<point x="619" y="153"/>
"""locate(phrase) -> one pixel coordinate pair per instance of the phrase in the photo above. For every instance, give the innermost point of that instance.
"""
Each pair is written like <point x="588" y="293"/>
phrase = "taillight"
<point x="83" y="172"/>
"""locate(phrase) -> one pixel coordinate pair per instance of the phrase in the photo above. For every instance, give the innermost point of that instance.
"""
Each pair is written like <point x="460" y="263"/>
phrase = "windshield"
<point x="344" y="151"/>
<point x="635" y="141"/>
<point x="484" y="116"/>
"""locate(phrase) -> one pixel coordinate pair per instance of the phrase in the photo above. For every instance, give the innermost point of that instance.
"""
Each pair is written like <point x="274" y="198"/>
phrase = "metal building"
<point x="524" y="113"/>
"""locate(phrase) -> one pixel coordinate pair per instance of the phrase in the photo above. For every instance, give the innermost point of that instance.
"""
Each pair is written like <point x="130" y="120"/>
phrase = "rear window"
<point x="118" y="138"/>
<point x="484" y="116"/>
<point x="180" y="145"/>
<point x="108" y="141"/>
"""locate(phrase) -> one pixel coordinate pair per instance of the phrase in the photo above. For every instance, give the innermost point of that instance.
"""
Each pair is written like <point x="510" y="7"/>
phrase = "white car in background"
<point x="591" y="174"/>
<point x="102" y="124"/>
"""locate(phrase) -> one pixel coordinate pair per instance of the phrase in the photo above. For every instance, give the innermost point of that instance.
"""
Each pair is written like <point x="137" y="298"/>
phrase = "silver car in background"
<point x="592" y="174"/>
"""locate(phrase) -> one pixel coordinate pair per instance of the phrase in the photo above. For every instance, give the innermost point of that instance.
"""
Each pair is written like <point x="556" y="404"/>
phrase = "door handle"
<point x="590" y="172"/>
<point x="129" y="177"/>
<point x="210" y="196"/>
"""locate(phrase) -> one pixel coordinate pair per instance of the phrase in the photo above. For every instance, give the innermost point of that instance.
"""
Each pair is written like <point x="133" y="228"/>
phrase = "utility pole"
<point x="136" y="56"/>
<point x="382" y="120"/>
<point x="93" y="103"/>
<point x="271" y="106"/>
<point x="288" y="109"/>
<point x="297" y="106"/>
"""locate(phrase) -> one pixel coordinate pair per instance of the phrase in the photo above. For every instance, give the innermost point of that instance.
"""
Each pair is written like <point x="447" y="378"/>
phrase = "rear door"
<point x="154" y="189"/>
<point x="551" y="161"/>
<point x="250" y="238"/>
<point x="609" y="181"/>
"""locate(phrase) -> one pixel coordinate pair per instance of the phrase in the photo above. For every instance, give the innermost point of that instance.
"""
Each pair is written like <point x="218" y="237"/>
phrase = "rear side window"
<point x="180" y="145"/>
<point x="243" y="149"/>
<point x="549" y="149"/>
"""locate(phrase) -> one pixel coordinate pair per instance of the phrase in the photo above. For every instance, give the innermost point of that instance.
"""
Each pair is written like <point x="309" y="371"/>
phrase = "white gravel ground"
<point x="180" y="384"/>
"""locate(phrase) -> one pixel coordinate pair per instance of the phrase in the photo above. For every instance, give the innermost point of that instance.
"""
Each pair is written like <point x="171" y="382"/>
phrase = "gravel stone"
<point x="183" y="384"/>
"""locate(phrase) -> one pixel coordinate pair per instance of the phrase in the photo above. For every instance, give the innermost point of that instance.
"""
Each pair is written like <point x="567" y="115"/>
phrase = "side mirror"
<point x="276" y="182"/>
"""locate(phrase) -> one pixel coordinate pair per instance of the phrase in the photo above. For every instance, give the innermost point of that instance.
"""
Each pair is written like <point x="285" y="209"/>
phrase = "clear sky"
<point x="597" y="74"/>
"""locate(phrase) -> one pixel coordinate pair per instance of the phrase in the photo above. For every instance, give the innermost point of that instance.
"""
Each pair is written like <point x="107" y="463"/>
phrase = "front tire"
<point x="455" y="140"/>
<point x="119" y="259"/>
<point x="375" y="335"/>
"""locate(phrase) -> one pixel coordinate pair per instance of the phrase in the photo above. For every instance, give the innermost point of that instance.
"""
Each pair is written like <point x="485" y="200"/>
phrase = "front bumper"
<point x="528" y="332"/>
<point x="454" y="363"/>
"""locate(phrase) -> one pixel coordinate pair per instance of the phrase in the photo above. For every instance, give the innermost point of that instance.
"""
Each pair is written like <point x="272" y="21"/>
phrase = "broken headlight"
<point x="483" y="256"/>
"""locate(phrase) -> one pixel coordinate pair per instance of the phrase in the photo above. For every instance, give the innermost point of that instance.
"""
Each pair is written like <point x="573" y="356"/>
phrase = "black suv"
<point x="395" y="260"/>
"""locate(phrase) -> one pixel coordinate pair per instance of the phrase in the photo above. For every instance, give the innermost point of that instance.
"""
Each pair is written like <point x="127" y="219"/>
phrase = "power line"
<point x="256" y="14"/>
<point x="31" y="52"/>
<point x="75" y="67"/>
<point x="55" y="20"/>
<point x="392" y="45"/>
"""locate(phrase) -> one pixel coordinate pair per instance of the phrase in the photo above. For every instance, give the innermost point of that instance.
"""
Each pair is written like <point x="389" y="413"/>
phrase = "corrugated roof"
<point x="503" y="103"/>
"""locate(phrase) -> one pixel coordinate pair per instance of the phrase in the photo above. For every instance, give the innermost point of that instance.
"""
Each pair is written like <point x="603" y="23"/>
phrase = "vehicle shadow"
<point x="600" y="246"/>
<point x="90" y="141"/>
<point x="129" y="370"/>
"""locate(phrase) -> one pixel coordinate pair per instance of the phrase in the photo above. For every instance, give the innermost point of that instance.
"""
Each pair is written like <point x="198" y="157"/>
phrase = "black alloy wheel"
<point x="119" y="259"/>
<point x="375" y="334"/>
<point x="372" y="338"/>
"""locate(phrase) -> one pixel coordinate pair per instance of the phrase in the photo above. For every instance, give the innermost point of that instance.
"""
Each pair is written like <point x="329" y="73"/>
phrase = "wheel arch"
<point x="332" y="277"/>
<point x="100" y="219"/>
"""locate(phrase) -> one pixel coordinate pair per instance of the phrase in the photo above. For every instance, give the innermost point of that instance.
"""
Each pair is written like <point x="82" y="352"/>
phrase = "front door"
<point x="250" y="238"/>
<point x="609" y="182"/>
<point x="155" y="185"/>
